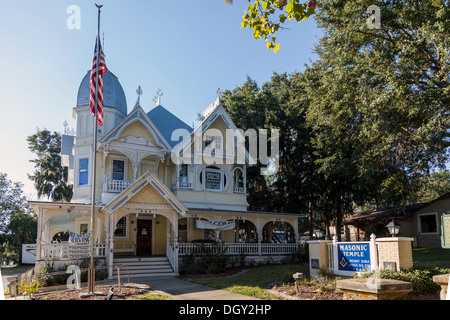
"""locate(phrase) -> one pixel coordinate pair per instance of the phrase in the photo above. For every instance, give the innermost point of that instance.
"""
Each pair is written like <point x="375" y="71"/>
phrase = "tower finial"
<point x="139" y="93"/>
<point x="157" y="99"/>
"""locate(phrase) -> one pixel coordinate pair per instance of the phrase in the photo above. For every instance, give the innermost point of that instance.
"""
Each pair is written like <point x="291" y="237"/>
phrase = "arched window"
<point x="62" y="236"/>
<point x="213" y="178"/>
<point x="238" y="180"/>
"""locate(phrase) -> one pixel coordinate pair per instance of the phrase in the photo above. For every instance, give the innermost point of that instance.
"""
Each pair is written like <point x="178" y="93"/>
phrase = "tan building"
<point x="420" y="221"/>
<point x="148" y="203"/>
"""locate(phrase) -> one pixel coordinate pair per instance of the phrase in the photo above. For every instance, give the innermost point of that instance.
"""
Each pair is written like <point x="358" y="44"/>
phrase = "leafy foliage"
<point x="17" y="220"/>
<point x="265" y="17"/>
<point x="365" y="124"/>
<point x="49" y="177"/>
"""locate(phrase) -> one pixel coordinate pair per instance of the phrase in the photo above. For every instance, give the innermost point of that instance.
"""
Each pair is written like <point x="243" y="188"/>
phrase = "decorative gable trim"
<point x="147" y="179"/>
<point x="200" y="129"/>
<point x="136" y="115"/>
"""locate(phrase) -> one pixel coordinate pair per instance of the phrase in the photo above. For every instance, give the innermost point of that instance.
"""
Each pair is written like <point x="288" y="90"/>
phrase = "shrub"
<point x="420" y="278"/>
<point x="60" y="278"/>
<point x="213" y="259"/>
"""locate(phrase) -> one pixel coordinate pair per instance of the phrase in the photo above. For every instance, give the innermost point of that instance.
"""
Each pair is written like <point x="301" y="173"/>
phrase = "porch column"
<point x="177" y="179"/>
<point x="111" y="245"/>
<point x="297" y="235"/>
<point x="105" y="154"/>
<point x="39" y="234"/>
<point x="244" y="177"/>
<point x="107" y="241"/>
<point x="165" y="173"/>
<point x="175" y="242"/>
<point x="259" y="233"/>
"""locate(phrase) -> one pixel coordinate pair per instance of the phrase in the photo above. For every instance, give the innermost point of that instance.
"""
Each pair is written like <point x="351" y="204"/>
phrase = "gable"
<point x="137" y="129"/>
<point x="147" y="189"/>
<point x="139" y="125"/>
<point x="218" y="119"/>
<point x="147" y="195"/>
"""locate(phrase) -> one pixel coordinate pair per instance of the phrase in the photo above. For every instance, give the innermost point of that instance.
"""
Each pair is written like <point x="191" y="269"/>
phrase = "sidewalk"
<point x="184" y="290"/>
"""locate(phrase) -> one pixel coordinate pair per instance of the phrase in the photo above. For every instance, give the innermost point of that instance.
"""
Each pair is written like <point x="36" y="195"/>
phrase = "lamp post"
<point x="318" y="233"/>
<point x="393" y="228"/>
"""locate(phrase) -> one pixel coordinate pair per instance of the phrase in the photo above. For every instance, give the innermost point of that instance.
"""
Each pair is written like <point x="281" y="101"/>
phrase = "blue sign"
<point x="353" y="256"/>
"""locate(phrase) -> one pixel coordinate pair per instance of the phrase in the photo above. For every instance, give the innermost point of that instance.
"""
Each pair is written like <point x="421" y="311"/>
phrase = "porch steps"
<point x="142" y="267"/>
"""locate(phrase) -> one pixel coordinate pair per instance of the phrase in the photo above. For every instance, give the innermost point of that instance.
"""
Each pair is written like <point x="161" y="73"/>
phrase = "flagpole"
<point x="91" y="276"/>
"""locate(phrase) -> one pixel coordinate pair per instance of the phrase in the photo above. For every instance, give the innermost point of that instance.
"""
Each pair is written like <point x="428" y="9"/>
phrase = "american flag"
<point x="93" y="81"/>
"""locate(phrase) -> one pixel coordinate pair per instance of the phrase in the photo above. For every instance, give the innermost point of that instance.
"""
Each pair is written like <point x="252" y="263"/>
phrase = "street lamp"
<point x="318" y="233"/>
<point x="393" y="228"/>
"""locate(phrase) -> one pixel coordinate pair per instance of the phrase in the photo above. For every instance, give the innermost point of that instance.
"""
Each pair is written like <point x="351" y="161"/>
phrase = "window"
<point x="84" y="173"/>
<point x="428" y="223"/>
<point x="121" y="228"/>
<point x="183" y="174"/>
<point x="213" y="178"/>
<point x="213" y="142"/>
<point x="182" y="230"/>
<point x="84" y="228"/>
<point x="238" y="181"/>
<point x="118" y="170"/>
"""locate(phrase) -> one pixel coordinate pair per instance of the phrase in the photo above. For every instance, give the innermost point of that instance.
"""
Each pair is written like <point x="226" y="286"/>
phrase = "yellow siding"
<point x="148" y="195"/>
<point x="160" y="233"/>
<point x="137" y="129"/>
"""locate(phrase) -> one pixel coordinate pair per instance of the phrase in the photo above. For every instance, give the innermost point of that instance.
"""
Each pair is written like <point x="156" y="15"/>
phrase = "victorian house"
<point x="162" y="188"/>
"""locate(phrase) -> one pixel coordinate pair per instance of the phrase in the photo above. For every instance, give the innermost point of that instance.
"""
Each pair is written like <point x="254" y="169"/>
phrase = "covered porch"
<point x="147" y="220"/>
<point x="242" y="233"/>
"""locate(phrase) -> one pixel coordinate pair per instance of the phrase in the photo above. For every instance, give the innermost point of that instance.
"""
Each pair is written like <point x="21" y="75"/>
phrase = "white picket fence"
<point x="237" y="248"/>
<point x="70" y="251"/>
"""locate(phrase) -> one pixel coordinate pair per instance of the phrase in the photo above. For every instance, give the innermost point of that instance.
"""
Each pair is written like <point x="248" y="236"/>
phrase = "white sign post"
<point x="2" y="292"/>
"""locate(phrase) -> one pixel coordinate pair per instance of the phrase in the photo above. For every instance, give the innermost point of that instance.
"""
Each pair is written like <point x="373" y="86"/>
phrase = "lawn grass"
<point x="254" y="282"/>
<point x="151" y="296"/>
<point x="431" y="257"/>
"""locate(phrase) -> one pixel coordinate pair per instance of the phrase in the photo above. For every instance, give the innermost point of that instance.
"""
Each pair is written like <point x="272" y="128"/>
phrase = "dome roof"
<point x="113" y="95"/>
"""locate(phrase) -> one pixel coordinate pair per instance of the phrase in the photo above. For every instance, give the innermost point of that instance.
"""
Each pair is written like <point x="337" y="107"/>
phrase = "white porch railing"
<point x="70" y="251"/>
<point x="171" y="256"/>
<point x="237" y="248"/>
<point x="238" y="190"/>
<point x="218" y="152"/>
<point x="181" y="185"/>
<point x="117" y="185"/>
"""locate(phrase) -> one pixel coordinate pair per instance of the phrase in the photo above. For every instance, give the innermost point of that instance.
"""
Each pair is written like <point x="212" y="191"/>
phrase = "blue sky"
<point x="189" y="49"/>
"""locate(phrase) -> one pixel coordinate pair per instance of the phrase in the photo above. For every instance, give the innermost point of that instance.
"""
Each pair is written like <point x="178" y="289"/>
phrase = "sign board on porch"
<point x="445" y="225"/>
<point x="29" y="253"/>
<point x="353" y="256"/>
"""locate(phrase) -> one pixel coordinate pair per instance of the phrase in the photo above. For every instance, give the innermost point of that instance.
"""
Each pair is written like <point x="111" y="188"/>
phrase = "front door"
<point x="144" y="237"/>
